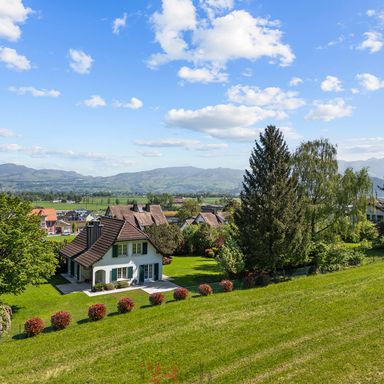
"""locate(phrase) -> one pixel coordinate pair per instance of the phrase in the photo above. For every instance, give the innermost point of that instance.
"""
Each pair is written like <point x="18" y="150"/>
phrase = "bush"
<point x="96" y="312"/>
<point x="125" y="304"/>
<point x="109" y="286"/>
<point x="61" y="320"/>
<point x="156" y="298"/>
<point x="34" y="326"/>
<point x="98" y="287"/>
<point x="249" y="281"/>
<point x="262" y="280"/>
<point x="205" y="289"/>
<point x="209" y="252"/>
<point x="180" y="293"/>
<point x="226" y="285"/>
<point x="355" y="258"/>
<point x="231" y="259"/>
<point x="167" y="260"/>
<point x="122" y="284"/>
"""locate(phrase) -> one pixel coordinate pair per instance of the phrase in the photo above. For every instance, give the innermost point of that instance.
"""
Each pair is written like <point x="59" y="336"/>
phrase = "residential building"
<point x="48" y="219"/>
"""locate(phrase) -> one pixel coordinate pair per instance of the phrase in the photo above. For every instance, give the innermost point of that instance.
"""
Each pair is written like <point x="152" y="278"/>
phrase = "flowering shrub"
<point x="34" y="326"/>
<point x="180" y="293"/>
<point x="156" y="298"/>
<point x="61" y="320"/>
<point x="167" y="260"/>
<point x="209" y="252"/>
<point x="125" y="304"/>
<point x="96" y="312"/>
<point x="205" y="289"/>
<point x="226" y="285"/>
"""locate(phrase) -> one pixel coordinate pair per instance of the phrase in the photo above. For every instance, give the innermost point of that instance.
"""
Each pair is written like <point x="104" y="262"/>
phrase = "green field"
<point x="321" y="329"/>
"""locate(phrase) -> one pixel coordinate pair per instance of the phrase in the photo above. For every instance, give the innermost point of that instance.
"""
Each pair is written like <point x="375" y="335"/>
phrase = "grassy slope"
<point x="327" y="328"/>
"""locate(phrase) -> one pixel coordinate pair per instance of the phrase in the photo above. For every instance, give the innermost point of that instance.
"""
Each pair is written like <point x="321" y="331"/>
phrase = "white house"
<point x="111" y="250"/>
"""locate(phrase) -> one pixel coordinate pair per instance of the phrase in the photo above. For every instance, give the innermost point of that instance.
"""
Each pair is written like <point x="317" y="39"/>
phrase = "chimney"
<point x="148" y="207"/>
<point x="94" y="229"/>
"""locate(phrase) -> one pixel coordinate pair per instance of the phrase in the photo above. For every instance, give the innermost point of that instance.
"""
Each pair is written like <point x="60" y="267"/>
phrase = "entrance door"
<point x="148" y="272"/>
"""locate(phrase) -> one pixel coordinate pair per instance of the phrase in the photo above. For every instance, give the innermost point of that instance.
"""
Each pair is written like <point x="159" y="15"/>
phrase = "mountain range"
<point x="176" y="180"/>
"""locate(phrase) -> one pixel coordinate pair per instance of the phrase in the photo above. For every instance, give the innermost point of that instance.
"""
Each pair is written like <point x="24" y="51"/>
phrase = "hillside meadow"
<point x="320" y="329"/>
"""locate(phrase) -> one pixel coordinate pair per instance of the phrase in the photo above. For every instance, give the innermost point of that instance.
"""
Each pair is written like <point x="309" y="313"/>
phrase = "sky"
<point x="102" y="87"/>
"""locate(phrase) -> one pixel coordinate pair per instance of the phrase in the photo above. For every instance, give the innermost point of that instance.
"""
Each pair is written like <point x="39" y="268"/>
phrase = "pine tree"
<point x="271" y="219"/>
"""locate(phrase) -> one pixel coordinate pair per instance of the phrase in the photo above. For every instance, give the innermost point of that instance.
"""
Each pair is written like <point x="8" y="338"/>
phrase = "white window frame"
<point x="122" y="273"/>
<point x="121" y="248"/>
<point x="137" y="248"/>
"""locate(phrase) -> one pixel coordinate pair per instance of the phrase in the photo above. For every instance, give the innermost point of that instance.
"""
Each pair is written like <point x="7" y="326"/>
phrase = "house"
<point x="375" y="211"/>
<point x="210" y="218"/>
<point x="187" y="223"/>
<point x="214" y="208"/>
<point x="140" y="216"/>
<point x="63" y="227"/>
<point x="111" y="250"/>
<point x="48" y="219"/>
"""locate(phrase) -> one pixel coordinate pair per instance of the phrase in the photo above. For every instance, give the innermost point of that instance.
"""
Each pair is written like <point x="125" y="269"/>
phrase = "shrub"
<point x="355" y="258"/>
<point x="249" y="281"/>
<point x="34" y="326"/>
<point x="205" y="289"/>
<point x="180" y="293"/>
<point x="226" y="285"/>
<point x="98" y="287"/>
<point x="109" y="286"/>
<point x="156" y="298"/>
<point x="209" y="252"/>
<point x="262" y="280"/>
<point x="5" y="318"/>
<point x="122" y="284"/>
<point x="167" y="260"/>
<point x="61" y="320"/>
<point x="96" y="312"/>
<point x="231" y="259"/>
<point x="125" y="304"/>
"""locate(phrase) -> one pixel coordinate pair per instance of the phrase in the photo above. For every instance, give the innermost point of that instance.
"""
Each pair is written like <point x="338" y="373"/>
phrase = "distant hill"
<point x="172" y="180"/>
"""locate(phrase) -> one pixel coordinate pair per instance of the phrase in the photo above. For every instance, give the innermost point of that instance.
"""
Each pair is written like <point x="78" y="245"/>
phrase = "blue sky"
<point x="106" y="87"/>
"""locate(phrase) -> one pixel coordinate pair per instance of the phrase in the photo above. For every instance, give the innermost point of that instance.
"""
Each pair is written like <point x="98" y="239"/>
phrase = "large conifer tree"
<point x="271" y="218"/>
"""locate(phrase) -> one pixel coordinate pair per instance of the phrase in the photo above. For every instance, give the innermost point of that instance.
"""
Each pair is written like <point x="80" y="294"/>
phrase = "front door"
<point x="148" y="272"/>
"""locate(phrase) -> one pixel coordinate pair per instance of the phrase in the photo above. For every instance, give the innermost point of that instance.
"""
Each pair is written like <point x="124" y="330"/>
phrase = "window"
<point x="122" y="250"/>
<point x="122" y="273"/>
<point x="137" y="248"/>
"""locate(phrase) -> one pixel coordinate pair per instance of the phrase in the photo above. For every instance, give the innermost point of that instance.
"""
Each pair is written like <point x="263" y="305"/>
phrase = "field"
<point x="320" y="329"/>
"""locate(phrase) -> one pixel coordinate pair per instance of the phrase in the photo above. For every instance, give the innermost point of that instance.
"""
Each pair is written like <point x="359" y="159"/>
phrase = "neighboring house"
<point x="210" y="218"/>
<point x="187" y="223"/>
<point x="214" y="208"/>
<point x="375" y="212"/>
<point x="63" y="227"/>
<point x="48" y="219"/>
<point x="171" y="217"/>
<point x="110" y="250"/>
<point x="140" y="216"/>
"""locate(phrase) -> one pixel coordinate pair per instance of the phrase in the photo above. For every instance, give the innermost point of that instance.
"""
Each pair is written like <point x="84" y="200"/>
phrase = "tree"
<point x="190" y="208"/>
<point x="271" y="219"/>
<point x="231" y="259"/>
<point x="25" y="256"/>
<point x="168" y="238"/>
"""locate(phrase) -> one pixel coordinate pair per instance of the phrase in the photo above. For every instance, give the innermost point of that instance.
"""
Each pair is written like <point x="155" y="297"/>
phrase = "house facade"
<point x="48" y="219"/>
<point x="111" y="250"/>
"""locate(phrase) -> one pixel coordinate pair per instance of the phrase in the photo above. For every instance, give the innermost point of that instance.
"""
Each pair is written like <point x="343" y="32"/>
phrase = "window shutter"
<point x="145" y="248"/>
<point x="157" y="271"/>
<point x="130" y="272"/>
<point x="115" y="250"/>
<point x="114" y="274"/>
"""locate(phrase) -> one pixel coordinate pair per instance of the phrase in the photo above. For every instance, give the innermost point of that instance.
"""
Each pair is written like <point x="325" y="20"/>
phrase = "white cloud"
<point x="4" y="132"/>
<point x="379" y="15"/>
<point x="35" y="92"/>
<point x="362" y="148"/>
<point x="271" y="98"/>
<point x="215" y="7"/>
<point x="224" y="121"/>
<point x="202" y="75"/>
<point x="295" y="81"/>
<point x="134" y="103"/>
<point x="373" y="42"/>
<point x="80" y="61"/>
<point x="95" y="101"/>
<point x="370" y="82"/>
<point x="118" y="24"/>
<point x="213" y="43"/>
<point x="13" y="60"/>
<point x="331" y="84"/>
<point x="329" y="110"/>
<point x="151" y="153"/>
<point x="12" y="13"/>
<point x="189" y="144"/>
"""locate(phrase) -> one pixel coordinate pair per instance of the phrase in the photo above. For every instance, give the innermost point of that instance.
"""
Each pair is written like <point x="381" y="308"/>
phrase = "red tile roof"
<point x="49" y="213"/>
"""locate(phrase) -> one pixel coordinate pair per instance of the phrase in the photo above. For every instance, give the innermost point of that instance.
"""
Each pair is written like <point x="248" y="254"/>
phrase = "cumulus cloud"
<point x="202" y="75"/>
<point x="331" y="84"/>
<point x="150" y="153"/>
<point x="12" y="14"/>
<point x="373" y="41"/>
<point x="330" y="110"/>
<point x="4" y="132"/>
<point x="370" y="82"/>
<point x="362" y="148"/>
<point x="80" y="62"/>
<point x="35" y="92"/>
<point x="118" y="24"/>
<point x="95" y="101"/>
<point x="295" y="81"/>
<point x="13" y="60"/>
<point x="189" y="144"/>
<point x="213" y="43"/>
<point x="215" y="7"/>
<point x="270" y="98"/>
<point x="134" y="103"/>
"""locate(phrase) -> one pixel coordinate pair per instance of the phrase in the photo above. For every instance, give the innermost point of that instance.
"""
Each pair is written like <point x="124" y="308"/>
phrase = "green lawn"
<point x="61" y="239"/>
<point x="320" y="329"/>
